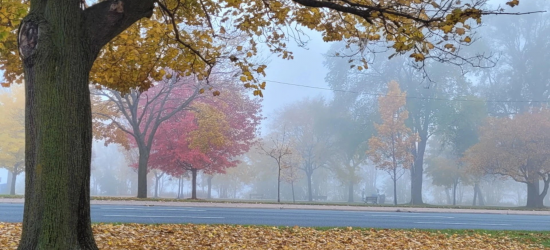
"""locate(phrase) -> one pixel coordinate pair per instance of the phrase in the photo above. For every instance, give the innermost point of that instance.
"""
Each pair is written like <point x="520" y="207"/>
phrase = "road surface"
<point x="300" y="217"/>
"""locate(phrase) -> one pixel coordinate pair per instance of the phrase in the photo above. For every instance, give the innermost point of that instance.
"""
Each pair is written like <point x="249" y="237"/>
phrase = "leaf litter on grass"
<point x="190" y="236"/>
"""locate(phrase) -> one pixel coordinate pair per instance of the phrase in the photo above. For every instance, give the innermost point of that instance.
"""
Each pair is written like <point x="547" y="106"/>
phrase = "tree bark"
<point x="58" y="43"/>
<point x="417" y="169"/>
<point x="142" y="171"/>
<point x="194" y="183"/>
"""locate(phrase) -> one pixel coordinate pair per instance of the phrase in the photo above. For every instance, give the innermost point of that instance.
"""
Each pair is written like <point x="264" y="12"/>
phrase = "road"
<point x="300" y="217"/>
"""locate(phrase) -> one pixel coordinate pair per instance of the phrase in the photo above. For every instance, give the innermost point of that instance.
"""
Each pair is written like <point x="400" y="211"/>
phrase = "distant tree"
<point x="390" y="149"/>
<point x="12" y="133"/>
<point x="278" y="149"/>
<point x="458" y="126"/>
<point x="447" y="172"/>
<point x="518" y="148"/>
<point x="308" y="123"/>
<point x="291" y="171"/>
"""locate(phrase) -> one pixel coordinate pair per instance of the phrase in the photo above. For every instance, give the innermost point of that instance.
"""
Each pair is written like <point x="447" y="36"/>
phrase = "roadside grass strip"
<point x="189" y="236"/>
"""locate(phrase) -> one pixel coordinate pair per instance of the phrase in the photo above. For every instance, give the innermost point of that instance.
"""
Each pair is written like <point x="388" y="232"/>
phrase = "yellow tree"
<point x="518" y="148"/>
<point x="391" y="148"/>
<point x="12" y="132"/>
<point x="59" y="41"/>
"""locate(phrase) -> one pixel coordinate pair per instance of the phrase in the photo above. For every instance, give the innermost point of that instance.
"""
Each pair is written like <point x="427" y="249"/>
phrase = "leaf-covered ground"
<point x="188" y="236"/>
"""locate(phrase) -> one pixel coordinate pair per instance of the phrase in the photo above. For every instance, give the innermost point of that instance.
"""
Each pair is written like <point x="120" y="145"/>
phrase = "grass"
<point x="361" y="204"/>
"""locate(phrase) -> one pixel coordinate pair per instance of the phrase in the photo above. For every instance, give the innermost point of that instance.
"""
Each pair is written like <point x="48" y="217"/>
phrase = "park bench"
<point x="319" y="197"/>
<point x="256" y="196"/>
<point x="371" y="199"/>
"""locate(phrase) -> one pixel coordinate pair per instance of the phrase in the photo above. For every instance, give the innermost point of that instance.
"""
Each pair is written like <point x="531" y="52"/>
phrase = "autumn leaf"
<point x="190" y="236"/>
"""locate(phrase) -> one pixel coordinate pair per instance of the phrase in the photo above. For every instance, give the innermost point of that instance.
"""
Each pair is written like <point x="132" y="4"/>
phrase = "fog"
<point x="480" y="135"/>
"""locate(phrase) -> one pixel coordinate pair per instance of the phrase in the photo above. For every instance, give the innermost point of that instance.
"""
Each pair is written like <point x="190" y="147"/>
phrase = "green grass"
<point x="527" y="237"/>
<point x="7" y="196"/>
<point x="323" y="203"/>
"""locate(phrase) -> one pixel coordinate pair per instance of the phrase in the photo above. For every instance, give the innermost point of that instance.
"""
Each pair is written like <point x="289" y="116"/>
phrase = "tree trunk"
<point x="210" y="186"/>
<point x="293" y="197"/>
<point x="157" y="178"/>
<point x="309" y="187"/>
<point x="350" y="191"/>
<point x="448" y="196"/>
<point x="475" y="194"/>
<point x="533" y="198"/>
<point x="417" y="172"/>
<point x="454" y="192"/>
<point x="480" y="199"/>
<point x="142" y="171"/>
<point x="279" y="185"/>
<point x="58" y="129"/>
<point x="13" y="179"/>
<point x="194" y="183"/>
<point x="394" y="186"/>
<point x="8" y="184"/>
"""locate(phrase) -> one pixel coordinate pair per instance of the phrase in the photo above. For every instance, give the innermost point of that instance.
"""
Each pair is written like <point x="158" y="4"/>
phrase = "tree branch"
<point x="105" y="20"/>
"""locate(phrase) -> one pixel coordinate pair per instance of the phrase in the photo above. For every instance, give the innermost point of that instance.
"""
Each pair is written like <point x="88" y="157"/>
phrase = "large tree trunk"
<point x="417" y="170"/>
<point x="58" y="43"/>
<point x="194" y="183"/>
<point x="533" y="198"/>
<point x="309" y="187"/>
<point x="58" y="130"/>
<point x="142" y="171"/>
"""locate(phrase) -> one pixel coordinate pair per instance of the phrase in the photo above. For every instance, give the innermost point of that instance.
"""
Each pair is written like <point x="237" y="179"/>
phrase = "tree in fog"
<point x="12" y="133"/>
<point x="457" y="130"/>
<point x="359" y="88"/>
<point x="208" y="138"/>
<point x="307" y="122"/>
<point x="140" y="113"/>
<point x="390" y="148"/>
<point x="521" y="78"/>
<point x="352" y="109"/>
<point x="517" y="148"/>
<point x="278" y="147"/>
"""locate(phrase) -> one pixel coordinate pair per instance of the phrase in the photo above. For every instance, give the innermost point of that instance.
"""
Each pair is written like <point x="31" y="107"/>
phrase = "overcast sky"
<point x="305" y="69"/>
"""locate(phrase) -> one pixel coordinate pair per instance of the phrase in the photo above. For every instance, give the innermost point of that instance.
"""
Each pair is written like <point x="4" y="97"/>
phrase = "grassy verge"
<point x="361" y="204"/>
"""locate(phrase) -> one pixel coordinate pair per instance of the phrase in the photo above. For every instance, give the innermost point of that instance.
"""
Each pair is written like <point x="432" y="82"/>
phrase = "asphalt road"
<point x="292" y="217"/>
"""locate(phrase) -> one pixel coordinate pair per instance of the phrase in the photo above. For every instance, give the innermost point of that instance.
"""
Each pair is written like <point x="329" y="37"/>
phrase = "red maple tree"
<point x="209" y="137"/>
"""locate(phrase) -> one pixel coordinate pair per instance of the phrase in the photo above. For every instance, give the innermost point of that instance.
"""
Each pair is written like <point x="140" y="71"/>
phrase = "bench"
<point x="319" y="197"/>
<point x="371" y="199"/>
<point x="256" y="196"/>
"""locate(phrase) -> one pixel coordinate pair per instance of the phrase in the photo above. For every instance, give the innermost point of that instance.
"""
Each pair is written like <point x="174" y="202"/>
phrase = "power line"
<point x="408" y="97"/>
